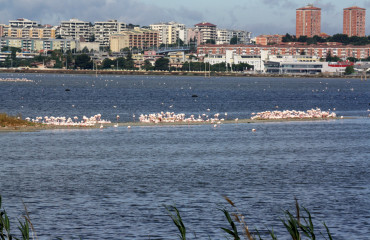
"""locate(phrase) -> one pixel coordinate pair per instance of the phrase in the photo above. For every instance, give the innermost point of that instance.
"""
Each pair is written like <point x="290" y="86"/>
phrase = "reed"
<point x="174" y="214"/>
<point x="23" y="227"/>
<point x="299" y="226"/>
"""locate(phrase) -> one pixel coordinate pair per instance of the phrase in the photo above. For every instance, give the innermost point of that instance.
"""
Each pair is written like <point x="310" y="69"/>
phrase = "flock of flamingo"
<point x="171" y="117"/>
<point x="63" y="121"/>
<point x="15" y="80"/>
<point x="293" y="114"/>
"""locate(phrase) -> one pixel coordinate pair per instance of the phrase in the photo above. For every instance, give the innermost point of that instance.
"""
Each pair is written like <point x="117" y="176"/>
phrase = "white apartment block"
<point x="244" y="37"/>
<point x="76" y="29"/>
<point x="22" y="22"/>
<point x="103" y="31"/>
<point x="224" y="36"/>
<point x="170" y="32"/>
<point x="257" y="61"/>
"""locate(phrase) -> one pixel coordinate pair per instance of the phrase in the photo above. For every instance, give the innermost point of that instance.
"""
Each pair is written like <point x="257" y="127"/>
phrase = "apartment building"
<point x="169" y="32"/>
<point x="39" y="45"/>
<point x="2" y="26"/>
<point x="194" y="35"/>
<point x="269" y="39"/>
<point x="207" y="30"/>
<point x="38" y="32"/>
<point x="293" y="49"/>
<point x="244" y="37"/>
<point x="76" y="29"/>
<point x="224" y="36"/>
<point x="308" y="21"/>
<point x="354" y="21"/>
<point x="137" y="38"/>
<point x="103" y="31"/>
<point x="22" y="22"/>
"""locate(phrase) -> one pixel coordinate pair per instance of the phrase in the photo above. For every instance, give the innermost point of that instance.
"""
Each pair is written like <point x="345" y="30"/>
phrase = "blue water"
<point x="113" y="183"/>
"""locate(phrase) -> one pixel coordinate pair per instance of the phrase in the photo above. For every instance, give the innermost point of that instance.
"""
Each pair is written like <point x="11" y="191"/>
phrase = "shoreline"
<point x="41" y="127"/>
<point x="168" y="73"/>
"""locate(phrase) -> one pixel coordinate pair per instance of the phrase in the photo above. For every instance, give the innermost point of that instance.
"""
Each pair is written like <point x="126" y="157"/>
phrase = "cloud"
<point x="325" y="7"/>
<point x="54" y="11"/>
<point x="281" y="3"/>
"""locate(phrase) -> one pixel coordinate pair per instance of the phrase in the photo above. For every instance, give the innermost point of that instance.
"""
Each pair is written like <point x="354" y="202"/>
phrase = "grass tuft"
<point x="12" y="121"/>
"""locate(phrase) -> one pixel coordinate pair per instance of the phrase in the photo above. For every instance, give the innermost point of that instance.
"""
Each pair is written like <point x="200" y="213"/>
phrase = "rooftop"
<point x="309" y="7"/>
<point x="354" y="8"/>
<point x="205" y="24"/>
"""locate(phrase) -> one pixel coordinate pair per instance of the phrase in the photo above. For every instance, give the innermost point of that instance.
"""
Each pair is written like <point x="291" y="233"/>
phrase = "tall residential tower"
<point x="308" y="21"/>
<point x="354" y="21"/>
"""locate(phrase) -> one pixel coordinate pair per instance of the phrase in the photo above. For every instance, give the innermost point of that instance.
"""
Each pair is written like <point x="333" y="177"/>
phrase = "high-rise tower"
<point x="354" y="21"/>
<point x="308" y="21"/>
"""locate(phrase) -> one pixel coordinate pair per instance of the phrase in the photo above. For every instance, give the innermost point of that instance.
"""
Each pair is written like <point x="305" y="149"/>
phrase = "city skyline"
<point x="256" y="16"/>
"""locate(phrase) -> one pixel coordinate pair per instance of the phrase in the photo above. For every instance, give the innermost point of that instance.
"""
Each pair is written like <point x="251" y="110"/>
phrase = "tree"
<point x="83" y="61"/>
<point x="352" y="59"/>
<point x="121" y="62"/>
<point x="342" y="38"/>
<point x="302" y="39"/>
<point x="129" y="63"/>
<point x="330" y="58"/>
<point x="210" y="41"/>
<point x="147" y="65"/>
<point x="349" y="70"/>
<point x="311" y="41"/>
<point x="234" y="40"/>
<point x="92" y="38"/>
<point x="125" y="50"/>
<point x="318" y="39"/>
<point x="85" y="50"/>
<point x="161" y="64"/>
<point x="107" y="63"/>
<point x="289" y="38"/>
<point x="179" y="42"/>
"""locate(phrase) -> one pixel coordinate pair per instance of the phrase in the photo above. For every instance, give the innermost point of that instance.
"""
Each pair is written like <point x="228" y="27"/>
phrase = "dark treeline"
<point x="341" y="38"/>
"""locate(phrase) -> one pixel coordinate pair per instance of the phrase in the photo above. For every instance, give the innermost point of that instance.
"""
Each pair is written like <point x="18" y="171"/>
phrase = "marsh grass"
<point x="174" y="214"/>
<point x="299" y="226"/>
<point x="23" y="227"/>
<point x="13" y="121"/>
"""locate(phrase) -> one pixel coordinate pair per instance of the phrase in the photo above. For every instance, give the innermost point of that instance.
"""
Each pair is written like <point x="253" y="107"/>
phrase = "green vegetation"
<point x="83" y="61"/>
<point x="219" y="67"/>
<point x="341" y="38"/>
<point x="161" y="64"/>
<point x="330" y="58"/>
<point x="349" y="70"/>
<point x="210" y="41"/>
<point x="234" y="40"/>
<point x="23" y="227"/>
<point x="11" y="121"/>
<point x="298" y="226"/>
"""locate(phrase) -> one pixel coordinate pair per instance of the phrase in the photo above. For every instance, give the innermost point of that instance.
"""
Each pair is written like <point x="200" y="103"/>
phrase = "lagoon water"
<point x="113" y="183"/>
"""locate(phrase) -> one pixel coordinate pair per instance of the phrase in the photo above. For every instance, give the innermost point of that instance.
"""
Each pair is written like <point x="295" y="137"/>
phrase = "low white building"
<point x="257" y="61"/>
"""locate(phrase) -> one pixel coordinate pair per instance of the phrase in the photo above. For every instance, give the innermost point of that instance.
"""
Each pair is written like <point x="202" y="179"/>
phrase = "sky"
<point x="256" y="16"/>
